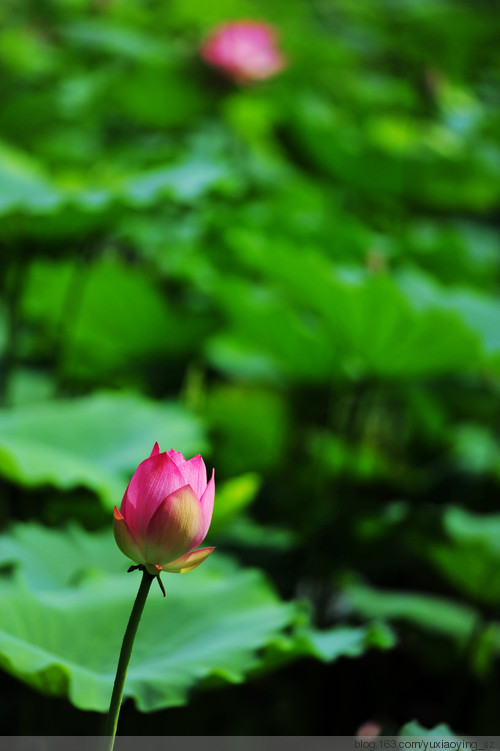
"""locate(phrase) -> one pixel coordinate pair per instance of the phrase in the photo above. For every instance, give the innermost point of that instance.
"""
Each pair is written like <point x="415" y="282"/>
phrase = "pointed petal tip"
<point x="177" y="457"/>
<point x="156" y="449"/>
<point x="116" y="514"/>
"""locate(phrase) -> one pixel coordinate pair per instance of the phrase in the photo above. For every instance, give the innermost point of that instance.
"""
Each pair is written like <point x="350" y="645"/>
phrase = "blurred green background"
<point x="297" y="278"/>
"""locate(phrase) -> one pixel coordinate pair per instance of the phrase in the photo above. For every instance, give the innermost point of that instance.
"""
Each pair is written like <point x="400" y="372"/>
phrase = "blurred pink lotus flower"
<point x="166" y="512"/>
<point x="368" y="729"/>
<point x="246" y="51"/>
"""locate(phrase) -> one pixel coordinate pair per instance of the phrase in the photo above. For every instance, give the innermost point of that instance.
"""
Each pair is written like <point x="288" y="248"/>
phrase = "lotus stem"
<point x="124" y="659"/>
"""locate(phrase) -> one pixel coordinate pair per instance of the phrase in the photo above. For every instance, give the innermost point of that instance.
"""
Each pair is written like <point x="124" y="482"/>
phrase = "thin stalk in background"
<point x="16" y="275"/>
<point x="71" y="307"/>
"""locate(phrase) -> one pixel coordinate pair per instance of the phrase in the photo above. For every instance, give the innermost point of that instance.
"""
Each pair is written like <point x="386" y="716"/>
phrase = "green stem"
<point x="126" y="651"/>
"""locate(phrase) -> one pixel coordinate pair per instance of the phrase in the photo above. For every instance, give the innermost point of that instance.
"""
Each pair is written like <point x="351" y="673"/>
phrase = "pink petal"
<point x="207" y="506"/>
<point x="188" y="562"/>
<point x="174" y="528"/>
<point x="195" y="474"/>
<point x="193" y="471"/>
<point x="156" y="449"/>
<point x="176" y="457"/>
<point x="125" y="539"/>
<point x="245" y="50"/>
<point x="153" y="480"/>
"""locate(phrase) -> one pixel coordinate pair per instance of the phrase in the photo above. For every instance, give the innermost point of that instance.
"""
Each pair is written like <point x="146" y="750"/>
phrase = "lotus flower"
<point x="166" y="512"/>
<point x="245" y="50"/>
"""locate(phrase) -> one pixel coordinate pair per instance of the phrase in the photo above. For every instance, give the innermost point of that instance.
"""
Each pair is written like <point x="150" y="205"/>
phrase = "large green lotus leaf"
<point x="376" y="160"/>
<point x="68" y="641"/>
<point x="25" y="186"/>
<point x="64" y="604"/>
<point x="429" y="612"/>
<point x="415" y="728"/>
<point x="115" y="40"/>
<point x="293" y="346"/>
<point x="452" y="251"/>
<point x="456" y="622"/>
<point x="38" y="551"/>
<point x="93" y="441"/>
<point x="466" y="527"/>
<point x="388" y="337"/>
<point x="121" y="318"/>
<point x="185" y="182"/>
<point x="480" y="312"/>
<point x="371" y="326"/>
<point x="370" y="321"/>
<point x="470" y="559"/>
<point x="347" y="641"/>
<point x="476" y="449"/>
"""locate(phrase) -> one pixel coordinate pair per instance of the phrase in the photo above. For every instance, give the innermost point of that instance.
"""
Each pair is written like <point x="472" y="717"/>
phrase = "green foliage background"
<point x="298" y="279"/>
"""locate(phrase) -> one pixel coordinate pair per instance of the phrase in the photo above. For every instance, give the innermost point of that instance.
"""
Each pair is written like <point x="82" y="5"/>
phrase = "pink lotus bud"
<point x="245" y="50"/>
<point x="166" y="512"/>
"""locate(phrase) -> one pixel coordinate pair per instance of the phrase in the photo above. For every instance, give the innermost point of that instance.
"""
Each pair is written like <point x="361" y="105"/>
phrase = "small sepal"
<point x="161" y="585"/>
<point x="140" y="567"/>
